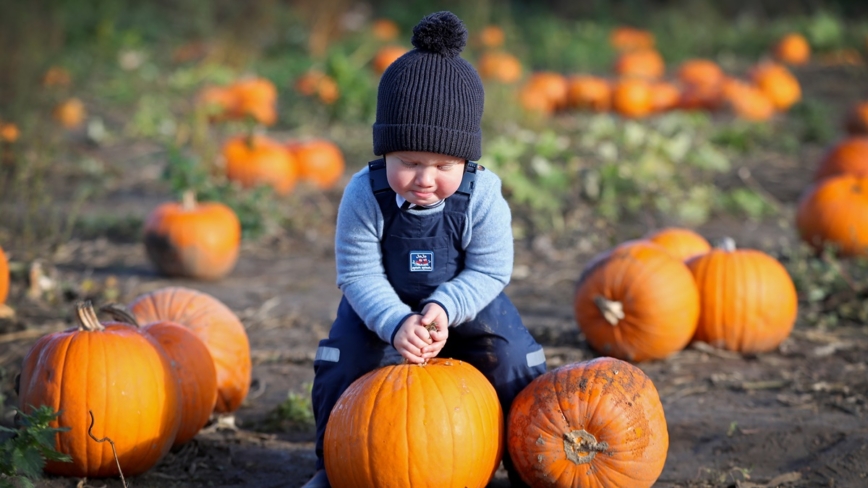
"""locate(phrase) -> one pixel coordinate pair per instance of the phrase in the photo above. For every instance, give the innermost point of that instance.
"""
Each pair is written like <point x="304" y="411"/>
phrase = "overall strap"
<point x="377" y="174"/>
<point x="468" y="182"/>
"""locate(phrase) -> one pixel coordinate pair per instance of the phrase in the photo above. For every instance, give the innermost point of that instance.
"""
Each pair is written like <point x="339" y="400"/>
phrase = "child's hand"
<point x="436" y="323"/>
<point x="411" y="338"/>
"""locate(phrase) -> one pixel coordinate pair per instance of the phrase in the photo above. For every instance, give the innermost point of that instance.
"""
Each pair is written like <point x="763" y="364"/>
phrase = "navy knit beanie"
<point x="431" y="99"/>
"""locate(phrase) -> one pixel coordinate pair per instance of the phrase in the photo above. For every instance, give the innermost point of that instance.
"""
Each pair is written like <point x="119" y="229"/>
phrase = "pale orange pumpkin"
<point x="9" y="132"/>
<point x="664" y="96"/>
<point x="216" y="325"/>
<point x="259" y="160"/>
<point x="257" y="98"/>
<point x="56" y="76"/>
<point x="317" y="84"/>
<point x="632" y="97"/>
<point x="217" y="102"/>
<point x="834" y="211"/>
<point x="196" y="240"/>
<point x="637" y="302"/>
<point x="778" y="83"/>
<point x="626" y="38"/>
<point x="792" y="49"/>
<point x="747" y="101"/>
<point x="702" y="72"/>
<point x="550" y="86"/>
<point x="681" y="243"/>
<point x="385" y="56"/>
<point x="491" y="36"/>
<point x="586" y="92"/>
<point x="408" y="425"/>
<point x="748" y="301"/>
<point x="319" y="161"/>
<point x="121" y="375"/>
<point x="646" y="63"/>
<point x="592" y="423"/>
<point x="849" y="155"/>
<point x="70" y="113"/>
<point x="384" y="29"/>
<point x="499" y="66"/>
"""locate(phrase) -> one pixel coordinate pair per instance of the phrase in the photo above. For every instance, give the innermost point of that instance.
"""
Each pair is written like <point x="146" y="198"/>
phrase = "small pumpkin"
<point x="491" y="36"/>
<point x="632" y="97"/>
<point x="385" y="56"/>
<point x="792" y="49"/>
<point x="9" y="132"/>
<point x="196" y="240"/>
<point x="591" y="423"/>
<point x="56" y="76"/>
<point x="384" y="29"/>
<point x="625" y="38"/>
<point x="551" y="87"/>
<point x="834" y="211"/>
<point x="121" y="375"/>
<point x="849" y="155"/>
<point x="700" y="97"/>
<point x="856" y="121"/>
<point x="681" y="243"/>
<point x="637" y="302"/>
<point x="216" y="325"/>
<point x="647" y="64"/>
<point x="4" y="277"/>
<point x="586" y="92"/>
<point x="748" y="102"/>
<point x="255" y="97"/>
<point x="664" y="96"/>
<point x="778" y="83"/>
<point x="702" y="72"/>
<point x="748" y="301"/>
<point x="259" y="160"/>
<point x="70" y="113"/>
<point x="319" y="161"/>
<point x="407" y="425"/>
<point x="317" y="84"/>
<point x="499" y="66"/>
<point x="217" y="102"/>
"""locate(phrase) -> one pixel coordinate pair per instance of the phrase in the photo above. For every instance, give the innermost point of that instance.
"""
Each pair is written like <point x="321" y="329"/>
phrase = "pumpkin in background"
<point x="681" y="243"/>
<point x="385" y="56"/>
<point x="217" y="102"/>
<point x="701" y="97"/>
<point x="550" y="87"/>
<point x="747" y="299"/>
<point x="856" y="121"/>
<point x="257" y="98"/>
<point x="748" y="102"/>
<point x="834" y="211"/>
<point x="792" y="49"/>
<point x="216" y="325"/>
<point x="70" y="113"/>
<point x="408" y="425"/>
<point x="702" y="72"/>
<point x="637" y="302"/>
<point x="491" y="36"/>
<point x="4" y="277"/>
<point x="778" y="83"/>
<point x="190" y="239"/>
<point x="193" y="366"/>
<point x="665" y="96"/>
<point x="9" y="132"/>
<point x="319" y="161"/>
<point x="317" y="84"/>
<point x="586" y="92"/>
<point x="632" y="97"/>
<point x="123" y="376"/>
<point x="257" y="160"/>
<point x="499" y="66"/>
<point x="592" y="423"/>
<point x="850" y="156"/>
<point x="626" y="38"/>
<point x="646" y="63"/>
<point x="384" y="29"/>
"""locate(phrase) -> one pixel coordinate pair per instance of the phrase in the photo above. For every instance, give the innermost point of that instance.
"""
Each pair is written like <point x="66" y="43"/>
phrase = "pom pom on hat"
<point x="442" y="33"/>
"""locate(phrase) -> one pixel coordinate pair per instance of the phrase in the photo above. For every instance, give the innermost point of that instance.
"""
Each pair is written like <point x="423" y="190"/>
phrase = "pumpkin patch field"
<point x="688" y="182"/>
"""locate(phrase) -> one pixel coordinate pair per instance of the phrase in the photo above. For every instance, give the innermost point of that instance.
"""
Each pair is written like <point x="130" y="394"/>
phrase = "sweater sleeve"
<point x="361" y="275"/>
<point x="488" y="260"/>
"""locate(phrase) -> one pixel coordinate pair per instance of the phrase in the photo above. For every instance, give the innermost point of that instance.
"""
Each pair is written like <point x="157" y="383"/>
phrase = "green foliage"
<point x="294" y="413"/>
<point x="24" y="452"/>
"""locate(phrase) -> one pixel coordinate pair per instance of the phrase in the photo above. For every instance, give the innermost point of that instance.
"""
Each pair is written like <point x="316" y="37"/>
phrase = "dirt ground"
<point x="796" y="417"/>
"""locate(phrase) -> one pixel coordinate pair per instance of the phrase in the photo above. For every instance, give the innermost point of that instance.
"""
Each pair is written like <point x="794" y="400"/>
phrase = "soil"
<point x="795" y="417"/>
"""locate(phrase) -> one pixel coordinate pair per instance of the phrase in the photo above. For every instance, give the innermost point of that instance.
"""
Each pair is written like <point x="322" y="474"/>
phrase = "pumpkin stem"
<point x="727" y="244"/>
<point x="111" y="442"/>
<point x="188" y="200"/>
<point x="87" y="319"/>
<point x="581" y="446"/>
<point x="612" y="311"/>
<point x="120" y="313"/>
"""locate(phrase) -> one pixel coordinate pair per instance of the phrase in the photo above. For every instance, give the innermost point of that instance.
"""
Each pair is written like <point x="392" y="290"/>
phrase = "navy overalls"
<point x="420" y="251"/>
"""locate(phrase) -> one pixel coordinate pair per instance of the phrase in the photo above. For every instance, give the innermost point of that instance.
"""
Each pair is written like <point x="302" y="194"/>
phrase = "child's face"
<point x="423" y="178"/>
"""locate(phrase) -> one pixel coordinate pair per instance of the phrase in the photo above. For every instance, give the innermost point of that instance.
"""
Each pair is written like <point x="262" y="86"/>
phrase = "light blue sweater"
<point x="361" y="275"/>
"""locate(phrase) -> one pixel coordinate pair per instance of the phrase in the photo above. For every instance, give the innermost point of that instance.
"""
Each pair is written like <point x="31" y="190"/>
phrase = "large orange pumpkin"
<point x="4" y="277"/>
<point x="778" y="83"/>
<point x="633" y="97"/>
<point x="216" y="325"/>
<point x="319" y="161"/>
<point x="595" y="423"/>
<point x="637" y="302"/>
<point x="645" y="63"/>
<point x="856" y="121"/>
<point x="121" y="375"/>
<point x="406" y="425"/>
<point x="834" y="211"/>
<point x="259" y="160"/>
<point x="850" y="155"/>
<point x="681" y="243"/>
<point x="792" y="49"/>
<point x="197" y="240"/>
<point x="748" y="301"/>
<point x="586" y="92"/>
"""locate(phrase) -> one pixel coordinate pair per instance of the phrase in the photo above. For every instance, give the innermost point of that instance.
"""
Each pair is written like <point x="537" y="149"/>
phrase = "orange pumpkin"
<point x="385" y="56"/>
<point x="646" y="63"/>
<point x="550" y="87"/>
<point x="631" y="39"/>
<point x="217" y="102"/>
<point x="4" y="277"/>
<point x="70" y="113"/>
<point x="778" y="83"/>
<point x="121" y="375"/>
<point x="664" y="96"/>
<point x="587" y="92"/>
<point x="748" y="102"/>
<point x="834" y="211"/>
<point x="632" y="97"/>
<point x="193" y="366"/>
<point x="216" y="325"/>
<point x="592" y="423"/>
<point x="320" y="161"/>
<point x="748" y="301"/>
<point x="681" y="243"/>
<point x="258" y="160"/>
<point x="637" y="302"/>
<point x="792" y="49"/>
<point x="702" y="72"/>
<point x="318" y="84"/>
<point x="56" y="76"/>
<point x="196" y="240"/>
<point x="491" y="36"/>
<point x="499" y="66"/>
<point x="700" y="97"/>
<point x="257" y="98"/>
<point x="407" y="425"/>
<point x="850" y="155"/>
<point x="384" y="29"/>
<point x="856" y="121"/>
<point x="9" y="132"/>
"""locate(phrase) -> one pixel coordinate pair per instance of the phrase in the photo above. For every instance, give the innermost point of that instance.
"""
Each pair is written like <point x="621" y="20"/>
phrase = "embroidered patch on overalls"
<point x="421" y="261"/>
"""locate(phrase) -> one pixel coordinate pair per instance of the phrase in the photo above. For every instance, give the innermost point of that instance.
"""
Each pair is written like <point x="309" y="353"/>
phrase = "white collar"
<point x="400" y="201"/>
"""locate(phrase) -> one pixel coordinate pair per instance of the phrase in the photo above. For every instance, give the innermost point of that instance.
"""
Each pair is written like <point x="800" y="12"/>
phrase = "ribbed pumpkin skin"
<point x="683" y="244"/>
<point x="835" y="211"/>
<point x="193" y="240"/>
<point x="120" y="374"/>
<point x="659" y="299"/>
<point x="606" y="398"/>
<point x="438" y="425"/>
<point x="4" y="277"/>
<point x="216" y="325"/>
<point x="196" y="373"/>
<point x="748" y="301"/>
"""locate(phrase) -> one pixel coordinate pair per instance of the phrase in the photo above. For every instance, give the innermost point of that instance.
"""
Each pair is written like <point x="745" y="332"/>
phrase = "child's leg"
<point x="350" y="351"/>
<point x="498" y="344"/>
